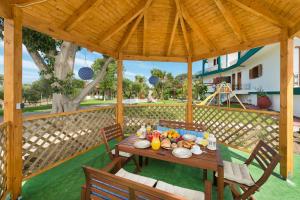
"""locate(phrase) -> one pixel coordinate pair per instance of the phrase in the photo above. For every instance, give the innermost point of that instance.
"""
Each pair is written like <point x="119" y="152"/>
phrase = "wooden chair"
<point x="182" y="125"/>
<point x="115" y="132"/>
<point x="100" y="184"/>
<point x="265" y="156"/>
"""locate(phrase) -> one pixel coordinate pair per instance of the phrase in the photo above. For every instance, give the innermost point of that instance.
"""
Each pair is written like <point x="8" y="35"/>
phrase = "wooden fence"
<point x="48" y="140"/>
<point x="136" y="115"/>
<point x="239" y="128"/>
<point x="3" y="159"/>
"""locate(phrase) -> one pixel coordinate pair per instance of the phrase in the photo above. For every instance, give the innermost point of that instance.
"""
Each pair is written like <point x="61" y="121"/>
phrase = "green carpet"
<point x="65" y="180"/>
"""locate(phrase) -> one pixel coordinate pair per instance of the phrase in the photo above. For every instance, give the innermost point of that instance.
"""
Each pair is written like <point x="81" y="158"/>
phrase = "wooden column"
<point x="189" y="113"/>
<point x="286" y="104"/>
<point x="120" y="117"/>
<point x="12" y="96"/>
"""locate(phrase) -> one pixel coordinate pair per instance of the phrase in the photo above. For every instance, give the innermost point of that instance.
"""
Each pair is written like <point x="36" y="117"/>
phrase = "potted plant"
<point x="263" y="101"/>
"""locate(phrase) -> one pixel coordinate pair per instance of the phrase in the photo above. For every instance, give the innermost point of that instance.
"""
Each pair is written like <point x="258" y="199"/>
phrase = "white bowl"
<point x="189" y="137"/>
<point x="141" y="144"/>
<point x="181" y="152"/>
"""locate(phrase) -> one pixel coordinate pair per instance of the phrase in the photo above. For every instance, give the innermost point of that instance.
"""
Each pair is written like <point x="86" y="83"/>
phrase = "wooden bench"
<point x="101" y="184"/>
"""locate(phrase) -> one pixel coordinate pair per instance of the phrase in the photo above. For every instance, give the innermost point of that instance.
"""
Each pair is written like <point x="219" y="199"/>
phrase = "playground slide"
<point x="204" y="102"/>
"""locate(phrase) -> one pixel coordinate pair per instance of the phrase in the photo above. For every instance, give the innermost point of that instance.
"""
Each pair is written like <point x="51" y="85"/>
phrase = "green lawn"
<point x="64" y="181"/>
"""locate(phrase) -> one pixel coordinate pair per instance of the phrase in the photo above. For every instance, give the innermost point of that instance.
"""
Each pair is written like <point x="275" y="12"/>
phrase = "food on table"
<point x="180" y="143"/>
<point x="174" y="145"/>
<point x="150" y="135"/>
<point x="155" y="144"/>
<point x="188" y="144"/>
<point x="189" y="137"/>
<point x="172" y="134"/>
<point x="204" y="142"/>
<point x="206" y="134"/>
<point x="164" y="135"/>
<point x="166" y="143"/>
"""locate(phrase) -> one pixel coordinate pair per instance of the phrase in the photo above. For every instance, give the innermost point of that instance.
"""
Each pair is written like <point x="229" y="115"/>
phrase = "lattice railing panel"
<point x="50" y="139"/>
<point x="239" y="128"/>
<point x="136" y="115"/>
<point x="3" y="158"/>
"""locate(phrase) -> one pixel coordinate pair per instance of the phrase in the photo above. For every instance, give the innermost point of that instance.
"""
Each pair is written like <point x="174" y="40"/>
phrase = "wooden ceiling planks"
<point x="201" y="27"/>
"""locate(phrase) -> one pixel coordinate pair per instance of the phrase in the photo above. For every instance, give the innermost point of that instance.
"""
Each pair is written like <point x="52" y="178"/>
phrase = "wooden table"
<point x="211" y="160"/>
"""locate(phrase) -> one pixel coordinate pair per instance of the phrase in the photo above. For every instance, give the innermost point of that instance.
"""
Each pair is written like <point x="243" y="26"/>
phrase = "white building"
<point x="249" y="71"/>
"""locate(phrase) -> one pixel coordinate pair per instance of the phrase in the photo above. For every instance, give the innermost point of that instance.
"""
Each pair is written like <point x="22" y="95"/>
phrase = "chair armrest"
<point x="116" y="163"/>
<point x="207" y="190"/>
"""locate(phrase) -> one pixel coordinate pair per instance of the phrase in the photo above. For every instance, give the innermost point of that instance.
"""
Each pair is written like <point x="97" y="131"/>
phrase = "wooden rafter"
<point x="173" y="34"/>
<point x="79" y="14"/>
<point x="145" y="32"/>
<point x="202" y="35"/>
<point x="294" y="30"/>
<point x="259" y="9"/>
<point x="221" y="4"/>
<point x="26" y="2"/>
<point x="129" y="17"/>
<point x="129" y="33"/>
<point x="183" y="28"/>
<point x="5" y="10"/>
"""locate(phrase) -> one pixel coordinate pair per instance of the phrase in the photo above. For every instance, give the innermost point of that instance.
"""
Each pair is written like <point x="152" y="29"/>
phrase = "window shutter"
<point x="260" y="70"/>
<point x="250" y="74"/>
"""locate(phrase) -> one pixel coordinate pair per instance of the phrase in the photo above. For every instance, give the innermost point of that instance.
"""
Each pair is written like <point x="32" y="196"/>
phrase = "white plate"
<point x="189" y="137"/>
<point x="181" y="152"/>
<point x="141" y="144"/>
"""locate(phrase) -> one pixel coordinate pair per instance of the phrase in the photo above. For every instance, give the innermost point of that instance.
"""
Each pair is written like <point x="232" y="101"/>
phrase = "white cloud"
<point x="129" y="75"/>
<point x="83" y="62"/>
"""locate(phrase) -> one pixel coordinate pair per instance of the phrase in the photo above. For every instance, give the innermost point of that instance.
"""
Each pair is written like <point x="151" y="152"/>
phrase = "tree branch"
<point x="92" y="84"/>
<point x="37" y="59"/>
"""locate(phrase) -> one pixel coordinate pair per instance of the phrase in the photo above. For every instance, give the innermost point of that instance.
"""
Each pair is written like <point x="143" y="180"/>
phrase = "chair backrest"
<point x="267" y="158"/>
<point x="182" y="125"/>
<point x="111" y="132"/>
<point x="103" y="185"/>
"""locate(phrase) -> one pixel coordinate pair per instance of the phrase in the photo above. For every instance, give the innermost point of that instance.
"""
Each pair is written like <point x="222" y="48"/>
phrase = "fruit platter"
<point x="182" y="146"/>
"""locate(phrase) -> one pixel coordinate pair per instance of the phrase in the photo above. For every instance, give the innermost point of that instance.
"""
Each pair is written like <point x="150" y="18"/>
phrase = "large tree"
<point x="55" y="59"/>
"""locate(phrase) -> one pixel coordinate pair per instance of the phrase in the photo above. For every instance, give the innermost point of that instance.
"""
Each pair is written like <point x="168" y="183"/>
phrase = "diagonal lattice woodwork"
<point x="136" y="115"/>
<point x="239" y="128"/>
<point x="3" y="159"/>
<point x="53" y="138"/>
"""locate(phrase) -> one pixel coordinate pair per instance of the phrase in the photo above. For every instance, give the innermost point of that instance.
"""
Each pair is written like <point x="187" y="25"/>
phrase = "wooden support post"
<point x="12" y="96"/>
<point x="189" y="113"/>
<point x="120" y="117"/>
<point x="286" y="105"/>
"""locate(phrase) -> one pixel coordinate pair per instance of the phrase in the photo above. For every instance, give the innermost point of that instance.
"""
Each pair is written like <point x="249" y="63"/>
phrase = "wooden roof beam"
<point x="124" y="21"/>
<point x="173" y="34"/>
<point x="260" y="10"/>
<point x="23" y="3"/>
<point x="79" y="14"/>
<point x="294" y="30"/>
<point x="145" y="33"/>
<point x="221" y="4"/>
<point x="183" y="28"/>
<point x="129" y="33"/>
<point x="202" y="35"/>
<point x="5" y="10"/>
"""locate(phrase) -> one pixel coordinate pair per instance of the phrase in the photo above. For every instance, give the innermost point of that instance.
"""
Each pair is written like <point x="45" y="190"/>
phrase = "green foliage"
<point x="109" y="82"/>
<point x="199" y="89"/>
<point x="261" y="92"/>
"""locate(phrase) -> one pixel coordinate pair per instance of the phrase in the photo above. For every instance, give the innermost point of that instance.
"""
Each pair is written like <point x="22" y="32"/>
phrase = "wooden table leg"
<point x="204" y="174"/>
<point x="141" y="161"/>
<point x="220" y="182"/>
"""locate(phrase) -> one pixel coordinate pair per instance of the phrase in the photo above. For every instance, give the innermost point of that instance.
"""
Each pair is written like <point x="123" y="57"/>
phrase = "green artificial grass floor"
<point x="64" y="181"/>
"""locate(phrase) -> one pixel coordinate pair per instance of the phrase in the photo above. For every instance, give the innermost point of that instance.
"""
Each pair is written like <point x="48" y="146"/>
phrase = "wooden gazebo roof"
<point x="169" y="30"/>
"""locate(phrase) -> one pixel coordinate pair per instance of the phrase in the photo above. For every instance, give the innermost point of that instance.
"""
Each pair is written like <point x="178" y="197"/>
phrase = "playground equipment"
<point x="222" y="89"/>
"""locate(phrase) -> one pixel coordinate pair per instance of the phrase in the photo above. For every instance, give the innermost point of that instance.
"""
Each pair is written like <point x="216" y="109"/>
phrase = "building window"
<point x="215" y="61"/>
<point x="255" y="72"/>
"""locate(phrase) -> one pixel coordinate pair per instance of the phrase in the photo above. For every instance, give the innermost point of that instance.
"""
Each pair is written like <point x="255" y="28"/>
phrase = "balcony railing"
<point x="246" y="86"/>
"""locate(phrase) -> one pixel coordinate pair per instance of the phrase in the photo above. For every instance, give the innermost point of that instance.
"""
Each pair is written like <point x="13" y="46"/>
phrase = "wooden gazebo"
<point x="151" y="30"/>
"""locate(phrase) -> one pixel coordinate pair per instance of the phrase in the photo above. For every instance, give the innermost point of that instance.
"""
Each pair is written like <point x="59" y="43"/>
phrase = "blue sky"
<point x="132" y="68"/>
